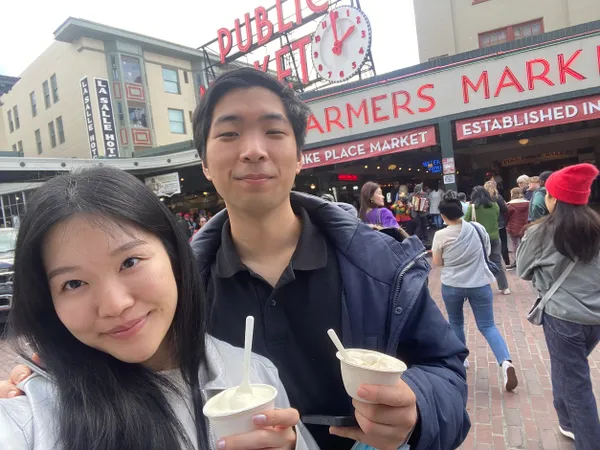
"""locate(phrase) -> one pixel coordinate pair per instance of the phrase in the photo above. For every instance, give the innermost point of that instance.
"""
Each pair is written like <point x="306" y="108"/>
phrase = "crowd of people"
<point x="134" y="330"/>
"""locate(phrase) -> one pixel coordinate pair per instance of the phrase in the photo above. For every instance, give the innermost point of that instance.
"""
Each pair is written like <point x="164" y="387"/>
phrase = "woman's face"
<point x="378" y="198"/>
<point x="202" y="221"/>
<point x="112" y="287"/>
<point x="550" y="202"/>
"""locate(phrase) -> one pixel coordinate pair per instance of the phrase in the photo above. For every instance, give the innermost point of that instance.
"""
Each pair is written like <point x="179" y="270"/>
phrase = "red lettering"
<point x="313" y="124"/>
<point x="512" y="81"/>
<point x="427" y="98"/>
<point x="261" y="18"/>
<point x="531" y="77"/>
<point x="224" y="49"/>
<point x="376" y="109"/>
<point x="333" y="120"/>
<point x="281" y="72"/>
<point x="298" y="12"/>
<point x="404" y="106"/>
<point x="362" y="109"/>
<point x="564" y="69"/>
<point x="317" y="8"/>
<point x="467" y="83"/>
<point x="300" y="45"/>
<point x="265" y="64"/>
<point x="281" y="25"/>
<point x="238" y="34"/>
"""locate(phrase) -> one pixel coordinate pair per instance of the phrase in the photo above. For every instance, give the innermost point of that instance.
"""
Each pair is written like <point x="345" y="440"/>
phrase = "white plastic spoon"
<point x="338" y="344"/>
<point x="244" y="390"/>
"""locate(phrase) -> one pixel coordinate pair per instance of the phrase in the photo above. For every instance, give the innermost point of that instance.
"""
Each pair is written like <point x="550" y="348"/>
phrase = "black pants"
<point x="504" y="241"/>
<point x="420" y="224"/>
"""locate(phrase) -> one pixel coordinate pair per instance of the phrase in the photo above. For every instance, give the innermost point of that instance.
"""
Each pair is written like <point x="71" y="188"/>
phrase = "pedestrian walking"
<point x="486" y="212"/>
<point x="523" y="183"/>
<point x="461" y="249"/>
<point x="420" y="209"/>
<point x="537" y="207"/>
<point x="372" y="207"/>
<point x="518" y="213"/>
<point x="435" y="197"/>
<point x="492" y="189"/>
<point x="561" y="255"/>
<point x="107" y="292"/>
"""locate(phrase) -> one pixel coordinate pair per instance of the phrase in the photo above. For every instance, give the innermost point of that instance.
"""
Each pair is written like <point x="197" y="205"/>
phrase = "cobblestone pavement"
<point x="524" y="419"/>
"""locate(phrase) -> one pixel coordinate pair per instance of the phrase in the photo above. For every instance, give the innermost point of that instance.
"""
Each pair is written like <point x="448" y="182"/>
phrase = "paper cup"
<point x="353" y="375"/>
<point x="240" y="421"/>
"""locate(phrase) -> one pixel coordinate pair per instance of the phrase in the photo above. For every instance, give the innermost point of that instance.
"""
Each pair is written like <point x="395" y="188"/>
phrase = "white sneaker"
<point x="510" y="376"/>
<point x="505" y="292"/>
<point x="466" y="363"/>
<point x="566" y="433"/>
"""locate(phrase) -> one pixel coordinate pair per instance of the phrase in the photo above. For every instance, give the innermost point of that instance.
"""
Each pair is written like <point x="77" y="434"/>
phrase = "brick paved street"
<point x="521" y="420"/>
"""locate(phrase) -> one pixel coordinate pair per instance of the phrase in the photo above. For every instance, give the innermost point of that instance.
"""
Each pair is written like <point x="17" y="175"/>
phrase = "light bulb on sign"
<point x="524" y="141"/>
<point x="378" y="167"/>
<point x="312" y="186"/>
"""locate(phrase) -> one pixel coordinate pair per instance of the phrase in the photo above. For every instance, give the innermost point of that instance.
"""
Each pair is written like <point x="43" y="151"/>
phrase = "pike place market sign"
<point x="529" y="74"/>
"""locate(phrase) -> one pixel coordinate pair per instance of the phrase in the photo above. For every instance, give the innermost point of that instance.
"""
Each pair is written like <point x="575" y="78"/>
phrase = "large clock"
<point x="341" y="43"/>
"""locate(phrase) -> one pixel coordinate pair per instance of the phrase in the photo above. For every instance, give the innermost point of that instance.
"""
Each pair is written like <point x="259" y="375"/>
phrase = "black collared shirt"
<point x="291" y="321"/>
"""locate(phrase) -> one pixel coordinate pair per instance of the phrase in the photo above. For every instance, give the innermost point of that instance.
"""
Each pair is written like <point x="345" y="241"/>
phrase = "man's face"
<point x="251" y="152"/>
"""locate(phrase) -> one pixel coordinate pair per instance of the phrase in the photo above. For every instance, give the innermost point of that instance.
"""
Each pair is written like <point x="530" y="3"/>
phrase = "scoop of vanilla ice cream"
<point x="230" y="401"/>
<point x="374" y="360"/>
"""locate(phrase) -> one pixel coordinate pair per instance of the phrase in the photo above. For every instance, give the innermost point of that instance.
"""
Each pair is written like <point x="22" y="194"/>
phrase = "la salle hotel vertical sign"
<point x="107" y="119"/>
<point x="89" y="117"/>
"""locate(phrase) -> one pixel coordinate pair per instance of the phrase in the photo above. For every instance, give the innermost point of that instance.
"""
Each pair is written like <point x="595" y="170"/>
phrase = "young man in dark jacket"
<point x="301" y="265"/>
<point x="537" y="207"/>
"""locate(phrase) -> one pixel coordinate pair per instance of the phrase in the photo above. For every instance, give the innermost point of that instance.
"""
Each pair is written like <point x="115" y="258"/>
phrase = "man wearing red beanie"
<point x="561" y="255"/>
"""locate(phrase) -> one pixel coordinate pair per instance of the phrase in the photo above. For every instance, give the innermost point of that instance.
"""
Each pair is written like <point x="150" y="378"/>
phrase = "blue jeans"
<point x="569" y="345"/>
<point x="482" y="301"/>
<point x="437" y="220"/>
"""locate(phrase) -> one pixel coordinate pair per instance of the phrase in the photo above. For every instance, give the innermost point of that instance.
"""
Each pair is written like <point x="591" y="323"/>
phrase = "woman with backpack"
<point x="486" y="212"/>
<point x="461" y="250"/>
<point x="561" y="255"/>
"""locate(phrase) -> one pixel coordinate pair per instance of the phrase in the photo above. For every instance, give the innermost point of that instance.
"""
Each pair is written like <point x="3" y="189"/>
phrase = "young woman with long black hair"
<point x="108" y="294"/>
<point x="571" y="320"/>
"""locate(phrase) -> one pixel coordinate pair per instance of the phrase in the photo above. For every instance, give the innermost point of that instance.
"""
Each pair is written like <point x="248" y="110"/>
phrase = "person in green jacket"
<point x="537" y="207"/>
<point x="486" y="212"/>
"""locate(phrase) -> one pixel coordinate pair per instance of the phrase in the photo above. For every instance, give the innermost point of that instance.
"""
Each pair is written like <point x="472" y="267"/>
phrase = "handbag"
<point x="491" y="264"/>
<point x="536" y="313"/>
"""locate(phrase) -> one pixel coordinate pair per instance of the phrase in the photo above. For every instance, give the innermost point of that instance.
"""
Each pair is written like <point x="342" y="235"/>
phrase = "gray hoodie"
<point x="464" y="262"/>
<point x="578" y="298"/>
<point x="29" y="422"/>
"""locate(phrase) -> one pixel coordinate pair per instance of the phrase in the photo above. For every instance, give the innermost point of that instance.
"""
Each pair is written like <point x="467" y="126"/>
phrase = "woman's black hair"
<point x="104" y="403"/>
<point x="366" y="194"/>
<point x="481" y="197"/>
<point x="245" y="78"/>
<point x="450" y="206"/>
<point x="575" y="230"/>
<point x="462" y="196"/>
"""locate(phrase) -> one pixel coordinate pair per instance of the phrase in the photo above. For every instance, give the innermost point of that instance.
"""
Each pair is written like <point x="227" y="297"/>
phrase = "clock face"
<point x="341" y="43"/>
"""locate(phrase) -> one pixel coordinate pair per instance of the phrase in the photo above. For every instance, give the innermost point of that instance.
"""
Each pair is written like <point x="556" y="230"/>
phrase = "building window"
<point x="46" y="90"/>
<point x="38" y="141"/>
<point x="137" y="117"/>
<point x="132" y="71"/>
<point x="14" y="147"/>
<point x="171" y="81"/>
<point x="511" y="33"/>
<point x="54" y="85"/>
<point x="20" y="146"/>
<point x="121" y="114"/>
<point x="61" y="130"/>
<point x="115" y="68"/>
<point x="191" y="117"/>
<point x="33" y="104"/>
<point x="11" y="124"/>
<point x="185" y="77"/>
<point x="52" y="133"/>
<point x="16" y="117"/>
<point x="176" y="121"/>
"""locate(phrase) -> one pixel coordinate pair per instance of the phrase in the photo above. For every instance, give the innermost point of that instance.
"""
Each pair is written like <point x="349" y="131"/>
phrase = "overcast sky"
<point x="26" y="31"/>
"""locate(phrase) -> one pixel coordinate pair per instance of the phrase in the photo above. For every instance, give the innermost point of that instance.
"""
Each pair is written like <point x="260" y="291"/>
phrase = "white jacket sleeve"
<point x="15" y="423"/>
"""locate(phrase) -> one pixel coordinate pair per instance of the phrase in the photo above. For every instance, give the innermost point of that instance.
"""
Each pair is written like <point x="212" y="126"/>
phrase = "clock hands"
<point x="337" y="45"/>
<point x="333" y="18"/>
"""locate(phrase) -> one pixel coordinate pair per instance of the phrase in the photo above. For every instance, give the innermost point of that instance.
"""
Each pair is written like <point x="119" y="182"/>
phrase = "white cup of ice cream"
<point x="369" y="367"/>
<point x="230" y="413"/>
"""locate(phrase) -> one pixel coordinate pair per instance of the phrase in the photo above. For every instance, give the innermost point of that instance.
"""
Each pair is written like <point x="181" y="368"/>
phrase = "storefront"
<point x="523" y="110"/>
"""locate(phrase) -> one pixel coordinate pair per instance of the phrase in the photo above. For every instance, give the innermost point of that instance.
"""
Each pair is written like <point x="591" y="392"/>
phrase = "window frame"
<point x="171" y="122"/>
<point x="60" y="130"/>
<point x="38" y="141"/>
<point x="169" y="82"/>
<point x="11" y="123"/>
<point x="20" y="146"/>
<point x="54" y="88"/>
<point x="14" y="148"/>
<point x="52" y="134"/>
<point x="510" y="33"/>
<point x="46" y="91"/>
<point x="33" y="101"/>
<point x="124" y="75"/>
<point x="16" y="117"/>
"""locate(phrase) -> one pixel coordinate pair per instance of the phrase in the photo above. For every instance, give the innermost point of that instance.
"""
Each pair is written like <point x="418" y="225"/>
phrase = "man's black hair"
<point x="544" y="177"/>
<point x="297" y="111"/>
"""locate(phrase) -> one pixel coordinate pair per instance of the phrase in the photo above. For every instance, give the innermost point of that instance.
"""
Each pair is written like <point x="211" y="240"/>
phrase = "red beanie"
<point x="572" y="184"/>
